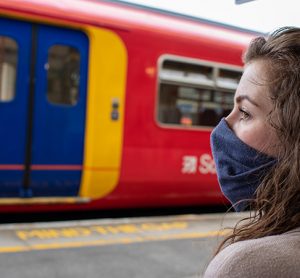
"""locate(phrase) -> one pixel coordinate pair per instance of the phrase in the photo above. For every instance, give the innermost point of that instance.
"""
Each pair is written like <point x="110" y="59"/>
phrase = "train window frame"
<point x="201" y="86"/>
<point x="8" y="72"/>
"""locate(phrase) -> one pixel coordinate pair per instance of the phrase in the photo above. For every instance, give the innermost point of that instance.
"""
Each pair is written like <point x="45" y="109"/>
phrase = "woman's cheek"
<point x="252" y="137"/>
<point x="262" y="139"/>
<point x="248" y="138"/>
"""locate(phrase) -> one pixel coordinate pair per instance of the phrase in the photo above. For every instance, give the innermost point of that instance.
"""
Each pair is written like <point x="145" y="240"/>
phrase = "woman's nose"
<point x="230" y="119"/>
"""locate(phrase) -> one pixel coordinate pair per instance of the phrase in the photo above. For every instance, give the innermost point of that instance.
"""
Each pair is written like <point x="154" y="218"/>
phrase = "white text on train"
<point x="205" y="166"/>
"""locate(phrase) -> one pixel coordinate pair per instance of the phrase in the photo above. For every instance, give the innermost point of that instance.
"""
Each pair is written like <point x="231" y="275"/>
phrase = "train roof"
<point x="185" y="16"/>
<point x="123" y="16"/>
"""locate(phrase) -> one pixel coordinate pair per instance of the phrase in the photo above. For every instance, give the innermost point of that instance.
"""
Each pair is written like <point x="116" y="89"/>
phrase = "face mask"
<point x="240" y="168"/>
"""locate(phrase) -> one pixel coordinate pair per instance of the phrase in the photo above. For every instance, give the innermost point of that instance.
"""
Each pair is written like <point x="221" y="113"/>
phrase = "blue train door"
<point x="59" y="111"/>
<point x="48" y="114"/>
<point x="15" y="41"/>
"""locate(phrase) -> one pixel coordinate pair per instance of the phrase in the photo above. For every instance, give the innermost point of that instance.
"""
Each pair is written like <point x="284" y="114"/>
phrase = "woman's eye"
<point x="244" y="114"/>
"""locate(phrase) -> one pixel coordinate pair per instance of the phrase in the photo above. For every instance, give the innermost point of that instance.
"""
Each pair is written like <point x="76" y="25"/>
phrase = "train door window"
<point x="193" y="93"/>
<point x="63" y="75"/>
<point x="8" y="65"/>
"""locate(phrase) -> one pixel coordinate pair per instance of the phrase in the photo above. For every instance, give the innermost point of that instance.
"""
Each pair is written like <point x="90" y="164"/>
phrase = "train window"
<point x="63" y="75"/>
<point x="228" y="78"/>
<point x="8" y="65"/>
<point x="195" y="94"/>
<point x="186" y="73"/>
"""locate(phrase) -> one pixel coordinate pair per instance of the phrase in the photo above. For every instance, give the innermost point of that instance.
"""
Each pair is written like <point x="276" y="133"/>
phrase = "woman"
<point x="257" y="154"/>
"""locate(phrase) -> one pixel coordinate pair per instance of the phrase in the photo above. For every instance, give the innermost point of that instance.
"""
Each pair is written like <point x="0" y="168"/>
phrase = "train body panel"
<point x="104" y="135"/>
<point x="126" y="154"/>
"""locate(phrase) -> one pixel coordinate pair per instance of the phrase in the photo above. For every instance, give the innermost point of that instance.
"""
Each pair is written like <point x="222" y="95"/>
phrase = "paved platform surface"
<point x="170" y="246"/>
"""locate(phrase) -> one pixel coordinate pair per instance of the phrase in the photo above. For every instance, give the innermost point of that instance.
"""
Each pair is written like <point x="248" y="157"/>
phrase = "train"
<point x="110" y="105"/>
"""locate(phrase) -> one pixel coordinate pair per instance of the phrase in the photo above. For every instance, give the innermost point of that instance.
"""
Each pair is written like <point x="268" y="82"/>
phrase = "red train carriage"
<point x="106" y="105"/>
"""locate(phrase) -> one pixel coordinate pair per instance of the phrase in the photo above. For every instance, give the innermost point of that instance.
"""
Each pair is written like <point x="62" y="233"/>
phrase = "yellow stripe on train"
<point x="103" y="136"/>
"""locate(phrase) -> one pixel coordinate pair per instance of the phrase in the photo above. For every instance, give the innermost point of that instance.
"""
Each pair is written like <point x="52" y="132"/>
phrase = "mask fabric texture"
<point x="240" y="168"/>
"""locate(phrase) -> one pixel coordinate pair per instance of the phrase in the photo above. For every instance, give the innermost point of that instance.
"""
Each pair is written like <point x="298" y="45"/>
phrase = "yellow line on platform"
<point x="121" y="240"/>
<point x="43" y="200"/>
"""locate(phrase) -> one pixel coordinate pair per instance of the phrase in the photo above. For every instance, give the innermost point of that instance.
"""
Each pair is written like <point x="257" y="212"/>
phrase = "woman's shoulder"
<point x="271" y="256"/>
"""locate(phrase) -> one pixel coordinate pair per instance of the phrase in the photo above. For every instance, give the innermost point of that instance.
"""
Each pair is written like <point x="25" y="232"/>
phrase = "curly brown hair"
<point x="275" y="208"/>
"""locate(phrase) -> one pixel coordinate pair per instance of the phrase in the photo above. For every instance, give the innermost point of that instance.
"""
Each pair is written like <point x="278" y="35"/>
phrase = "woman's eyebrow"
<point x="242" y="97"/>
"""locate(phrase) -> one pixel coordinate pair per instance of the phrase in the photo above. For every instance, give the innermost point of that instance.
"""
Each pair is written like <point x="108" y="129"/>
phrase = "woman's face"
<point x="252" y="104"/>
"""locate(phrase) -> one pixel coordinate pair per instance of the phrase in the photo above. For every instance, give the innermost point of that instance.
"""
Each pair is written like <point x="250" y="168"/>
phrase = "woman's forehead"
<point x="254" y="83"/>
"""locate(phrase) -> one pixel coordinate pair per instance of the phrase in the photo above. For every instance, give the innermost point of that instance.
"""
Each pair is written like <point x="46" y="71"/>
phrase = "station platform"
<point x="166" y="246"/>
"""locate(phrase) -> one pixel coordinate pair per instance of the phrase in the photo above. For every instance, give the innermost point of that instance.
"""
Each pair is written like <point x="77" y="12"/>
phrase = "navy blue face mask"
<point x="240" y="168"/>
